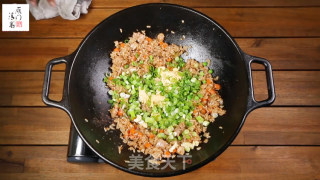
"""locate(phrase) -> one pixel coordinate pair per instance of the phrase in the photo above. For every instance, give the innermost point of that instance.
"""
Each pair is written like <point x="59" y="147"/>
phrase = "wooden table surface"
<point x="277" y="142"/>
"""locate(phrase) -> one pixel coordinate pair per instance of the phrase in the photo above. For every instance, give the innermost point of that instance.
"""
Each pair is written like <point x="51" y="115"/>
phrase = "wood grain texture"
<point x="265" y="126"/>
<point x="240" y="22"/>
<point x="197" y="3"/>
<point x="283" y="53"/>
<point x="33" y="54"/>
<point x="294" y="88"/>
<point x="252" y="162"/>
<point x="34" y="126"/>
<point x="275" y="142"/>
<point x="25" y="88"/>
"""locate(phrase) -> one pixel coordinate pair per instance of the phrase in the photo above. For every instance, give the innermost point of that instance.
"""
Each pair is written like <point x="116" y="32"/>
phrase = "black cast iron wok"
<point x="85" y="95"/>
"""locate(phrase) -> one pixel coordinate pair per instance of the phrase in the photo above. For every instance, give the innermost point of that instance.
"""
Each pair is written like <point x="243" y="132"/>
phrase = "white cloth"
<point x="67" y="9"/>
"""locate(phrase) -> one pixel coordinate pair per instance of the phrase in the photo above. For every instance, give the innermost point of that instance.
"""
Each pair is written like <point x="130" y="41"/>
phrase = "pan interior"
<point x="88" y="94"/>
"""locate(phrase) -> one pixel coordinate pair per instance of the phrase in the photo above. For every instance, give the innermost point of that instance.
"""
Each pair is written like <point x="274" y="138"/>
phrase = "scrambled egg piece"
<point x="143" y="97"/>
<point x="155" y="99"/>
<point x="169" y="77"/>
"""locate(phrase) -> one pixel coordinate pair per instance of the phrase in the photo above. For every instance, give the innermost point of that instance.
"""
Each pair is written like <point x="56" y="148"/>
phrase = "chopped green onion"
<point x="210" y="71"/>
<point x="126" y="41"/>
<point x="200" y="119"/>
<point x="205" y="63"/>
<point x="126" y="66"/>
<point x="170" y="136"/>
<point x="134" y="63"/>
<point x="162" y="135"/>
<point x="186" y="131"/>
<point x="105" y="79"/>
<point x="151" y="58"/>
<point x="187" y="149"/>
<point x="206" y="123"/>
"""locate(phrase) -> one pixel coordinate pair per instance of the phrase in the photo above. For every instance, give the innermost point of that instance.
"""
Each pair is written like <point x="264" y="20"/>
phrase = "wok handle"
<point x="63" y="104"/>
<point x="252" y="103"/>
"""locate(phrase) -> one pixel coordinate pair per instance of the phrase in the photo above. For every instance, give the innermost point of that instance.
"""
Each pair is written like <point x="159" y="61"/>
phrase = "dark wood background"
<point x="277" y="142"/>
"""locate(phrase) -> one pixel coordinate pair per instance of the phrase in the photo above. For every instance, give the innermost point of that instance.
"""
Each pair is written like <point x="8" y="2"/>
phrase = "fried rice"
<point x="161" y="103"/>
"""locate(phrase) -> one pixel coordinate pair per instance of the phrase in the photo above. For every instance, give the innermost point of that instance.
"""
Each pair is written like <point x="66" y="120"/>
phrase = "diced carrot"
<point x="195" y="112"/>
<point x="170" y="68"/>
<point x="161" y="43"/>
<point x="217" y="86"/>
<point x="149" y="39"/>
<point x="147" y="145"/>
<point x="161" y="131"/>
<point x="116" y="49"/>
<point x="140" y="133"/>
<point x="209" y="81"/>
<point x="169" y="60"/>
<point x="145" y="56"/>
<point x="110" y="78"/>
<point x="151" y="136"/>
<point x="200" y="107"/>
<point x="211" y="91"/>
<point x="165" y="45"/>
<point x="167" y="154"/>
<point x="122" y="45"/>
<point x="132" y="131"/>
<point x="204" y="101"/>
<point x="203" y="111"/>
<point x="133" y="58"/>
<point x="120" y="112"/>
<point x="175" y="150"/>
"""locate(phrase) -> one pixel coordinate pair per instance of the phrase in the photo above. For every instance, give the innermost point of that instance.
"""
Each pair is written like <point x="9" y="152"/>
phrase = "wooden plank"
<point x="281" y="126"/>
<point x="293" y="88"/>
<point x="283" y="53"/>
<point x="240" y="22"/>
<point x="25" y="88"/>
<point x="198" y="3"/>
<point x="33" y="54"/>
<point x="252" y="162"/>
<point x="265" y="126"/>
<point x="34" y="126"/>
